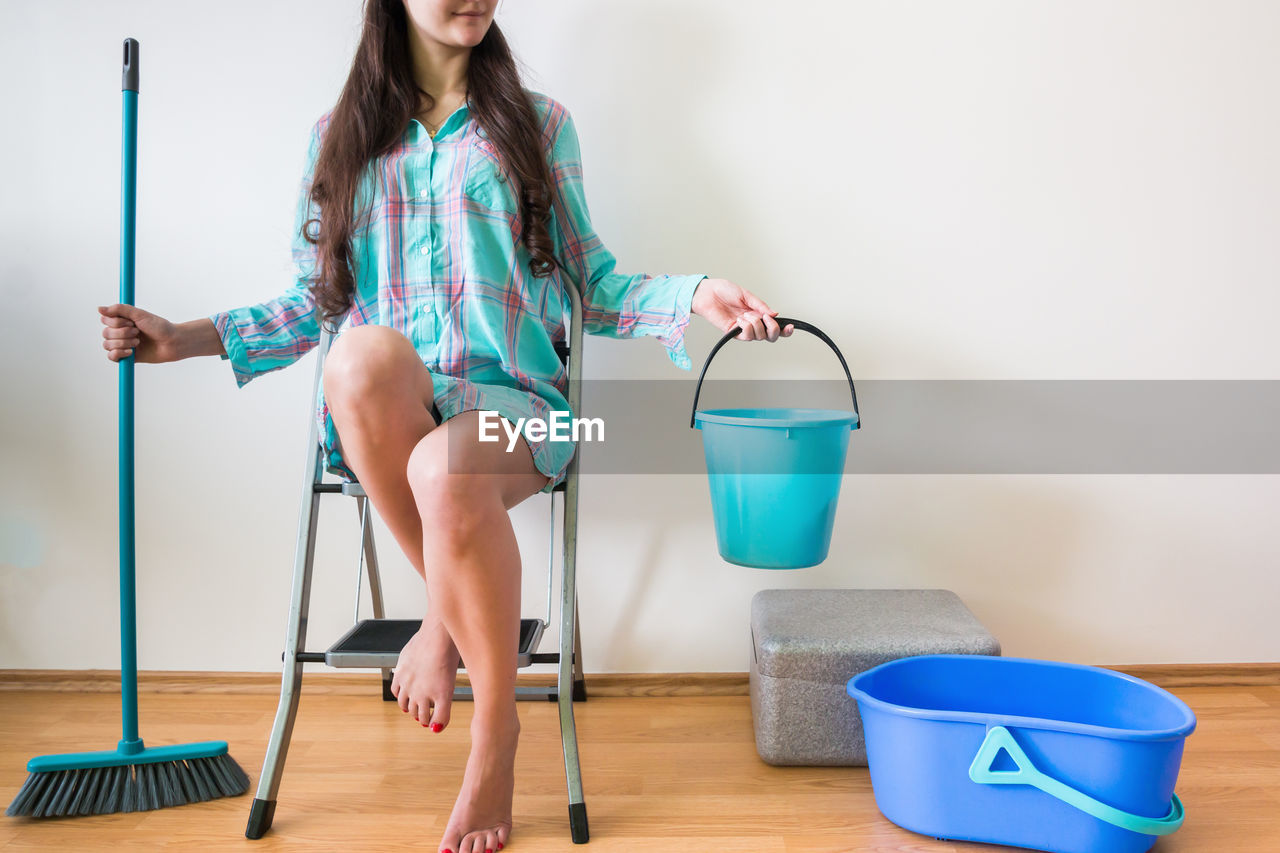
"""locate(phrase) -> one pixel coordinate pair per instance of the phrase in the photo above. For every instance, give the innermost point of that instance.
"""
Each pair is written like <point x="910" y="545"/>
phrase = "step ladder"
<point x="377" y="642"/>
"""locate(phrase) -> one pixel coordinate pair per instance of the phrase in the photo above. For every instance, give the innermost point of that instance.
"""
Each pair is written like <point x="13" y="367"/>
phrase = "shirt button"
<point x="426" y="250"/>
<point x="424" y="193"/>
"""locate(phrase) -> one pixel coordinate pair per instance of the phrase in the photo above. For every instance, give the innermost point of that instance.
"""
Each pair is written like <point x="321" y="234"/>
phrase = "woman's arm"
<point x="256" y="339"/>
<point x="269" y="335"/>
<point x="199" y="337"/>
<point x="725" y="305"/>
<point x="151" y="339"/>
<point x="613" y="304"/>
<point x="617" y="305"/>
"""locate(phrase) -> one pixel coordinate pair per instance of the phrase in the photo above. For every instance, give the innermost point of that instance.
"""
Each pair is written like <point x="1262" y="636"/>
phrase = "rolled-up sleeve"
<point x="273" y="334"/>
<point x="614" y="304"/>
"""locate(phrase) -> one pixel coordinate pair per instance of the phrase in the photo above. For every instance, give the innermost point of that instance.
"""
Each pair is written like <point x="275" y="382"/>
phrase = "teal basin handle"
<point x="999" y="738"/>
<point x="782" y="322"/>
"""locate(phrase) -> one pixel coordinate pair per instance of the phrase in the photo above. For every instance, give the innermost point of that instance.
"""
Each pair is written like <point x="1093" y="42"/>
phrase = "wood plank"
<point x="354" y="683"/>
<point x="1206" y="674"/>
<point x="609" y="684"/>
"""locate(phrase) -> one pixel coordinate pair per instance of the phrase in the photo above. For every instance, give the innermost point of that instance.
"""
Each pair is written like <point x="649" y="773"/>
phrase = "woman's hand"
<point x="132" y="331"/>
<point x="725" y="305"/>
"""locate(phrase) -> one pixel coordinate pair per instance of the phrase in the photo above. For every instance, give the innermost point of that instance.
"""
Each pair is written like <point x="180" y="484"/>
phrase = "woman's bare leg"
<point x="473" y="579"/>
<point x="380" y="395"/>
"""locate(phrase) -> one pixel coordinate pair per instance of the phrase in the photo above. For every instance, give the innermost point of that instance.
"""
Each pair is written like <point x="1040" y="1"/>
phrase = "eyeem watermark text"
<point x="560" y="428"/>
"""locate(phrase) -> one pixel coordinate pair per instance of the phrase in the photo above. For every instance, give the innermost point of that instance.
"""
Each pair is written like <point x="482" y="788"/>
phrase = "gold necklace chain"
<point x="432" y="130"/>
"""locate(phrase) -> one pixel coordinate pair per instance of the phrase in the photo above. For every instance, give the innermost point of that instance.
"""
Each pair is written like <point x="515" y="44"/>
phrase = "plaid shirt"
<point x="440" y="259"/>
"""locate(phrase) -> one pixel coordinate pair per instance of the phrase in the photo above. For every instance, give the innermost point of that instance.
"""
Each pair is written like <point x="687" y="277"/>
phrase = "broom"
<point x="132" y="777"/>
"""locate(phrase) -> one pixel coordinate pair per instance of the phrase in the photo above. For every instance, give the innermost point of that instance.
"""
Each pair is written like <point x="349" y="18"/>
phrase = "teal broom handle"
<point x="130" y="744"/>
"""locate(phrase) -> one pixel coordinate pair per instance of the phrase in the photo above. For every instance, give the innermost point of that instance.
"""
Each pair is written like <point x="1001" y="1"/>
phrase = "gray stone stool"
<point x="807" y="644"/>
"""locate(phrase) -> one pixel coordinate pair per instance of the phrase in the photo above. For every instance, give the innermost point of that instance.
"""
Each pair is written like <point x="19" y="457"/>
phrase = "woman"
<point x="451" y="294"/>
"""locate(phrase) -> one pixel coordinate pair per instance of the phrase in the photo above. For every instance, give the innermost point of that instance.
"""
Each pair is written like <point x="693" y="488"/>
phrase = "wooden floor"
<point x="658" y="772"/>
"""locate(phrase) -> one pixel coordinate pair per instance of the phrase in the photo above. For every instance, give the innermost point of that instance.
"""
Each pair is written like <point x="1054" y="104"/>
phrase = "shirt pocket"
<point x="490" y="184"/>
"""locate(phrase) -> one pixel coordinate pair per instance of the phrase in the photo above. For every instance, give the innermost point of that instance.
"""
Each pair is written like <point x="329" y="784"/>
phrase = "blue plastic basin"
<point x="1051" y="756"/>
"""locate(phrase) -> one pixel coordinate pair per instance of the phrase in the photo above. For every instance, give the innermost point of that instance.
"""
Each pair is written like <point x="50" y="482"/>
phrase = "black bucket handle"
<point x="782" y="322"/>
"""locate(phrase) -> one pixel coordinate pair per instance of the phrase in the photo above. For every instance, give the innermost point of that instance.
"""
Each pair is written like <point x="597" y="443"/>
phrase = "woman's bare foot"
<point x="426" y="673"/>
<point x="481" y="819"/>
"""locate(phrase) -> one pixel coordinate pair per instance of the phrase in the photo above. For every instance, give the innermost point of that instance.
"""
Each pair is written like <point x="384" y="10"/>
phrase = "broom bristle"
<point x="128" y="787"/>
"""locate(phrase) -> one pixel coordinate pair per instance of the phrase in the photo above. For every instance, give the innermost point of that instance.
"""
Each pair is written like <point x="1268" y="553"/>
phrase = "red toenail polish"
<point x="437" y="728"/>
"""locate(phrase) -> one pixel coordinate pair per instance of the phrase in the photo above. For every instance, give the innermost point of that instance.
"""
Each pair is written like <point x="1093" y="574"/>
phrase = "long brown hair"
<point x="373" y="111"/>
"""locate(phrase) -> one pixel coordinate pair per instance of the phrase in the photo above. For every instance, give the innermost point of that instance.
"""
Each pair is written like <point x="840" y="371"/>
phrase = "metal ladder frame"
<point x="570" y="685"/>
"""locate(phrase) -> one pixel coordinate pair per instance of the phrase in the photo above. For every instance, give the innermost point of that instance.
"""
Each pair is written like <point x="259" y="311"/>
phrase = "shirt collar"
<point x="416" y="133"/>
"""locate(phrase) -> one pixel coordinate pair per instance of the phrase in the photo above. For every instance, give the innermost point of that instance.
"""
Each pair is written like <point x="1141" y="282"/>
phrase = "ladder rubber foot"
<point x="578" y="823"/>
<point x="387" y="695"/>
<point x="580" y="690"/>
<point x="260" y="817"/>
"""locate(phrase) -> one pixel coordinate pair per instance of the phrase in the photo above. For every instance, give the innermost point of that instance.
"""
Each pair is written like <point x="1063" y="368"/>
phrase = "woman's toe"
<point x="452" y="842"/>
<point x="440" y="716"/>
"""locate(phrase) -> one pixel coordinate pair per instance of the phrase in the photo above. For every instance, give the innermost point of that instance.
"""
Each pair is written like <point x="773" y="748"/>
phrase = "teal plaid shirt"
<point x="440" y="259"/>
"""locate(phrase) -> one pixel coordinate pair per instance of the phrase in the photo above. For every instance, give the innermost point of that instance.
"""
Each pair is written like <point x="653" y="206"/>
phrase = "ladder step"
<point x="356" y="490"/>
<point x="377" y="642"/>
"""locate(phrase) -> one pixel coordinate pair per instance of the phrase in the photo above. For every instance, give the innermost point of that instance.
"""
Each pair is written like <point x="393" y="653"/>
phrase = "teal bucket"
<point x="780" y="518"/>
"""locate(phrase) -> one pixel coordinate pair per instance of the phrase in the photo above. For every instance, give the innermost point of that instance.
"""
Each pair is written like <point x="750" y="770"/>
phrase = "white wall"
<point x="957" y="190"/>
